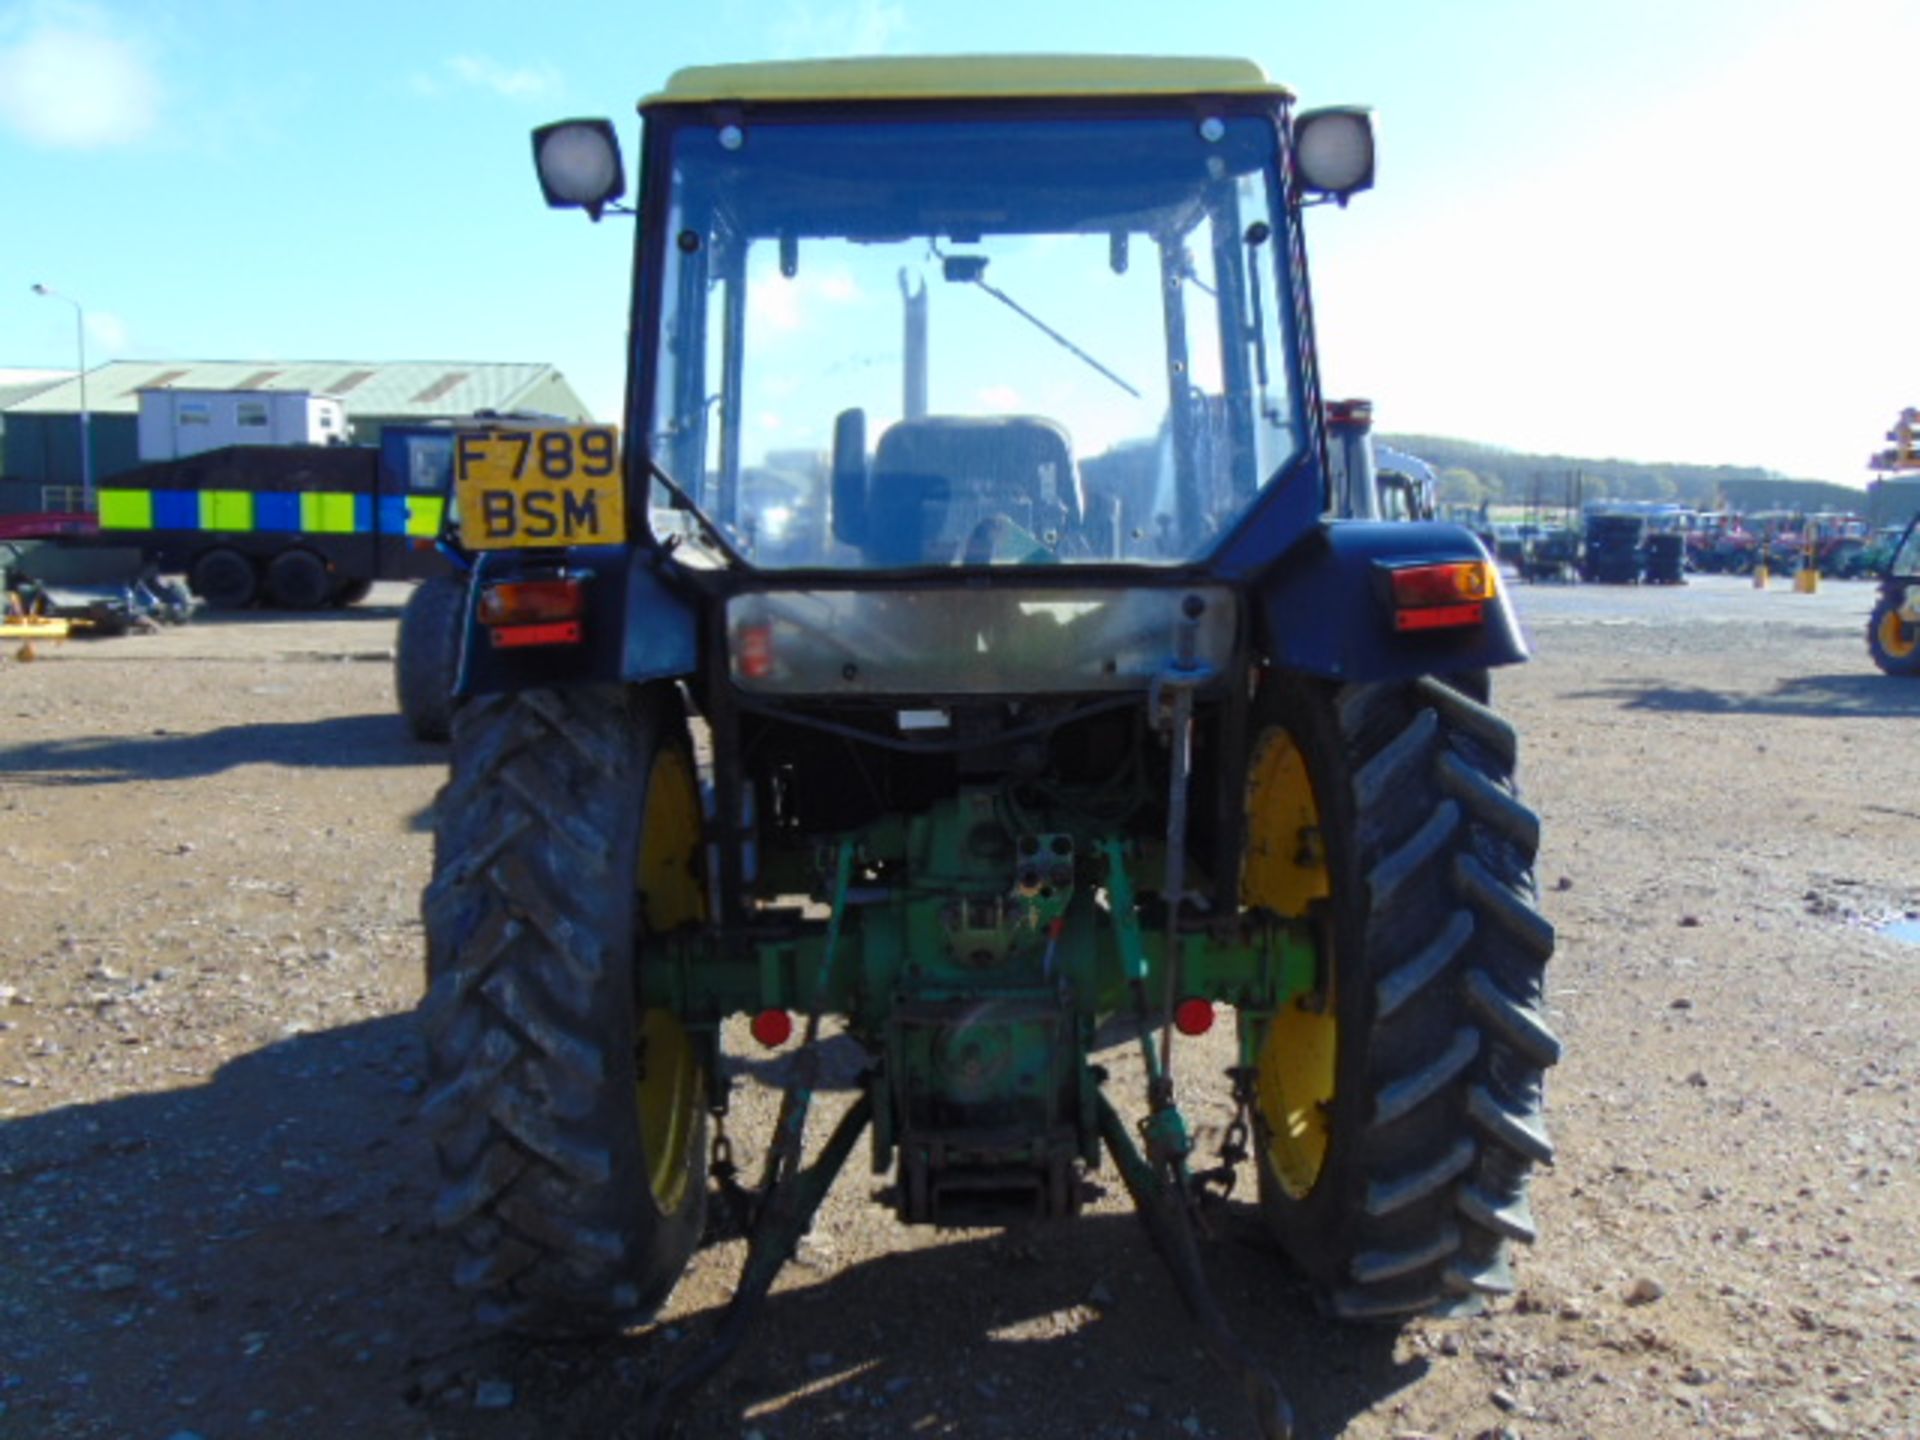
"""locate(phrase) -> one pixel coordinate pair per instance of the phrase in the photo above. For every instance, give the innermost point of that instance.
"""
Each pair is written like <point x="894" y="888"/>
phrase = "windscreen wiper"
<point x="972" y="270"/>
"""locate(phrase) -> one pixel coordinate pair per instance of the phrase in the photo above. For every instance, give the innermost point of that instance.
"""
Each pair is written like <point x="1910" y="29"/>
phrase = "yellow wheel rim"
<point x="1285" y="871"/>
<point x="672" y="1090"/>
<point x="671" y="1087"/>
<point x="1898" y="639"/>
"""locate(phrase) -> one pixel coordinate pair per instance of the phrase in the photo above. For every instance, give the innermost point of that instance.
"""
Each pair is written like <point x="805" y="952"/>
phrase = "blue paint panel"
<point x="176" y="510"/>
<point x="1324" y="611"/>
<point x="276" y="510"/>
<point x="661" y="627"/>
<point x="363" y="514"/>
<point x="393" y="514"/>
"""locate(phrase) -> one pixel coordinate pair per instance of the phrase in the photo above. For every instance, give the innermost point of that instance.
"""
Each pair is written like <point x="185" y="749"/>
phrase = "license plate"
<point x="527" y="489"/>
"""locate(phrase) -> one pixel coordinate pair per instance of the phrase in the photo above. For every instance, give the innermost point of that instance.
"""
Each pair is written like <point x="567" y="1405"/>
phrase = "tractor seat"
<point x="937" y="478"/>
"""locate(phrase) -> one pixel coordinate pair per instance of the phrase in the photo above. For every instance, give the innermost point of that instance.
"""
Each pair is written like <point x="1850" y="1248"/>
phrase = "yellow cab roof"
<point x="930" y="77"/>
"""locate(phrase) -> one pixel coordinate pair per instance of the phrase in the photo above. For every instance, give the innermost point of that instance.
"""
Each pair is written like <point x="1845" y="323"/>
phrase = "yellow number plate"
<point x="523" y="489"/>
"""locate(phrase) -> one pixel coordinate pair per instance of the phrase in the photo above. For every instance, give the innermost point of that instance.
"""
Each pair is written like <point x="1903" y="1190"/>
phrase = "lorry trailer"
<point x="301" y="527"/>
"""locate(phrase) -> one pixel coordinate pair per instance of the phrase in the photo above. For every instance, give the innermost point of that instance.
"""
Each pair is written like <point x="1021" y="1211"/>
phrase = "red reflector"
<point x="509" y="637"/>
<point x="772" y="1028"/>
<point x="1193" y="1017"/>
<point x="753" y="651"/>
<point x="532" y="602"/>
<point x="1439" y="617"/>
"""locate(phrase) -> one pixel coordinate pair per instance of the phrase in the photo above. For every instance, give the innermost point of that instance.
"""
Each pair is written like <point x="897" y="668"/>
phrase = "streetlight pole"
<point x="86" y="426"/>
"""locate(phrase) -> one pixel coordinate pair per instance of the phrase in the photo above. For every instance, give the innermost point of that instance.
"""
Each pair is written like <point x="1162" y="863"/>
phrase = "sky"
<point x="1657" y="230"/>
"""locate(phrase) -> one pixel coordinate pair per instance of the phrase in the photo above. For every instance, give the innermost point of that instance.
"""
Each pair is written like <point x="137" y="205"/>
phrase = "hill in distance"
<point x="1473" y="473"/>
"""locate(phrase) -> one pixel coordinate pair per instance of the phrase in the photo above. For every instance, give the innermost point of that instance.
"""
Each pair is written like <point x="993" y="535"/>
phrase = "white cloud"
<point x="776" y="306"/>
<point x="864" y="27"/>
<point x="784" y="304"/>
<point x="70" y="77"/>
<point x="483" y="72"/>
<point x="106" y="333"/>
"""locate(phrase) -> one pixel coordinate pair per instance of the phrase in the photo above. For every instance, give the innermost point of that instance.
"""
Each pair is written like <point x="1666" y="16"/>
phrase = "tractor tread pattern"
<point x="1426" y="1187"/>
<point x="1512" y="1218"/>
<point x="1375" y="1305"/>
<point x="1384" y="1197"/>
<point x="1393" y="873"/>
<point x="1372" y="1266"/>
<point x="1408" y="1093"/>
<point x="1490" y="1276"/>
<point x="1520" y="1026"/>
<point x="529" y="1082"/>
<point x="1406" y="981"/>
<point x="1488" y="802"/>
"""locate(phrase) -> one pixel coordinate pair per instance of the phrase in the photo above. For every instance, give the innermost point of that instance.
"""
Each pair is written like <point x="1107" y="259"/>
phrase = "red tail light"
<point x="531" y="602"/>
<point x="533" y="612"/>
<point x="1438" y="597"/>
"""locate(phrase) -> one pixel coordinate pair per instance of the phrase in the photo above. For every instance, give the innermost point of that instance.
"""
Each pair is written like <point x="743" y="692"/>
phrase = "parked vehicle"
<point x="1551" y="555"/>
<point x="1664" y="558"/>
<point x="301" y="527"/>
<point x="1610" y="548"/>
<point x="1371" y="480"/>
<point x="1040" y="751"/>
<point x="1893" y="629"/>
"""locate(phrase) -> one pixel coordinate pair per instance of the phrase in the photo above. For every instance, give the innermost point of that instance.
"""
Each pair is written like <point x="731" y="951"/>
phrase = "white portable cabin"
<point x="174" y="422"/>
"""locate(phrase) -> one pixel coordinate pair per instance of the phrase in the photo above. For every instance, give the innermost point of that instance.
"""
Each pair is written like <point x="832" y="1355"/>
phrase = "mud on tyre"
<point x="568" y="1124"/>
<point x="1399" y="1106"/>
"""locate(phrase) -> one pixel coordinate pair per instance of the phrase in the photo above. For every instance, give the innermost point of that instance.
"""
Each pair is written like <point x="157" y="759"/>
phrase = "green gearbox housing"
<point x="978" y="963"/>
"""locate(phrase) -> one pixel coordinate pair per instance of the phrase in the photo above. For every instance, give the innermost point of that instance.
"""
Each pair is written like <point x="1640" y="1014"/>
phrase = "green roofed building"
<point x="42" y="430"/>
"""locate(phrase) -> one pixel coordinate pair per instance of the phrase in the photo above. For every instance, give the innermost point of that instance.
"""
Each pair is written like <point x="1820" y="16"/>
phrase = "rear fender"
<point x="1325" y="610"/>
<point x="635" y="628"/>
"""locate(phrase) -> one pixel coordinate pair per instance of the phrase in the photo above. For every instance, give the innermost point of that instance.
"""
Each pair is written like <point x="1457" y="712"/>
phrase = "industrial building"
<point x="40" y="420"/>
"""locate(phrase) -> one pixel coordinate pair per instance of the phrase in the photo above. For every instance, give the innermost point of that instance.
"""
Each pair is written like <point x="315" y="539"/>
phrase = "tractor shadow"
<point x="1067" y="1330"/>
<point x="255" y="1254"/>
<point x="1859" y="695"/>
<point x="341" y="742"/>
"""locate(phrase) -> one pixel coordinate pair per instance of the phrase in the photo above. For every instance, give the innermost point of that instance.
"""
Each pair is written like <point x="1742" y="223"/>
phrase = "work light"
<point x="1333" y="150"/>
<point x="578" y="162"/>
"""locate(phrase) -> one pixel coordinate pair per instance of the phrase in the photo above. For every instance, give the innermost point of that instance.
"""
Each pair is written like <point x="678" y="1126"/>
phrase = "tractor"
<point x="1893" y="629"/>
<point x="966" y="644"/>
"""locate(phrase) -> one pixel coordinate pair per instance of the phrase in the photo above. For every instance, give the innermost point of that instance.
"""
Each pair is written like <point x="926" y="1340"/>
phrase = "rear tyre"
<point x="1398" y="1107"/>
<point x="427" y="655"/>
<point x="351" y="592"/>
<point x="1893" y="643"/>
<point x="225" y="579"/>
<point x="298" y="580"/>
<point x="569" y="1125"/>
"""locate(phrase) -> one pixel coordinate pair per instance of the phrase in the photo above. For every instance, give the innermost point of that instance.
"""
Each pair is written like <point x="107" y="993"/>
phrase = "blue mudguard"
<point x="1324" y="606"/>
<point x="635" y="628"/>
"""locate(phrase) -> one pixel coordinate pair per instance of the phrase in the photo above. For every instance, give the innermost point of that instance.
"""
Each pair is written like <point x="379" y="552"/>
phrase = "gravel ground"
<point x="213" y="1196"/>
